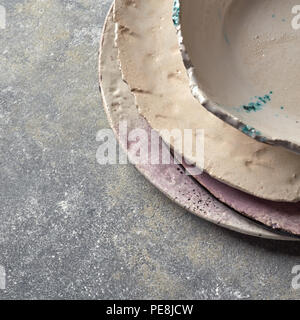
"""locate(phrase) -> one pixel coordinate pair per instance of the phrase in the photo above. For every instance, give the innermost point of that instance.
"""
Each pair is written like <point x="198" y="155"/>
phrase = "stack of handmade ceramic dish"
<point x="226" y="68"/>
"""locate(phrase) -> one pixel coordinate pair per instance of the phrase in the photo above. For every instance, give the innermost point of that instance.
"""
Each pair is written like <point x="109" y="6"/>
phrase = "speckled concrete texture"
<point x="71" y="228"/>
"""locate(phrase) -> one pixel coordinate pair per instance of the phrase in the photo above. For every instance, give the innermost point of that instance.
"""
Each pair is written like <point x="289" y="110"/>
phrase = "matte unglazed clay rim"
<point x="212" y="107"/>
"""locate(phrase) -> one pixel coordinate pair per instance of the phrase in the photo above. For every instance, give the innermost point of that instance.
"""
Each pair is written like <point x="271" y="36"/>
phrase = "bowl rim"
<point x="213" y="107"/>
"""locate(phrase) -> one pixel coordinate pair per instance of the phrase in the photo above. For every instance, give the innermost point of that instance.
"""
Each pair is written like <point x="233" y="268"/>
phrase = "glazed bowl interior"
<point x="245" y="58"/>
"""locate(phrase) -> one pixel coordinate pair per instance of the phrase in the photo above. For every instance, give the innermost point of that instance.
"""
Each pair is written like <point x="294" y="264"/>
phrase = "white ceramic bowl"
<point x="243" y="61"/>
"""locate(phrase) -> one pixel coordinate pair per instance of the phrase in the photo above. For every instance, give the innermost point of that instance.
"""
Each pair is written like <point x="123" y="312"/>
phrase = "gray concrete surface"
<point x="71" y="228"/>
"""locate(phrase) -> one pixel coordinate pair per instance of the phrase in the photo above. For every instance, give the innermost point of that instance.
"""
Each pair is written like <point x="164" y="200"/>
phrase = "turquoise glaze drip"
<point x="258" y="104"/>
<point x="176" y="13"/>
<point x="251" y="132"/>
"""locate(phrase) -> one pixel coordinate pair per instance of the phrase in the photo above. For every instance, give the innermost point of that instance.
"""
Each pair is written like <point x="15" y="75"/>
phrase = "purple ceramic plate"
<point x="280" y="216"/>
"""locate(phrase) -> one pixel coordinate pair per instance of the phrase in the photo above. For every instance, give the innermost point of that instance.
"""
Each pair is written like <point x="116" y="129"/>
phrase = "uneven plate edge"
<point x="261" y="232"/>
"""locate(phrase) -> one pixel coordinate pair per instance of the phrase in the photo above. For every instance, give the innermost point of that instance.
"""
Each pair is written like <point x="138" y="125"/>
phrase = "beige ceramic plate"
<point x="119" y="105"/>
<point x="243" y="61"/>
<point x="153" y="68"/>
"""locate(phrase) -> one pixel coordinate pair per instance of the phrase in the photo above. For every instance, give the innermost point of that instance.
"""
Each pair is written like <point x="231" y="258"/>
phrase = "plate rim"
<point x="265" y="232"/>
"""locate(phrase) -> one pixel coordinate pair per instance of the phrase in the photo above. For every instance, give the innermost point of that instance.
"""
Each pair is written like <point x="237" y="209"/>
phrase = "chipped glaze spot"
<point x="249" y="131"/>
<point x="176" y="12"/>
